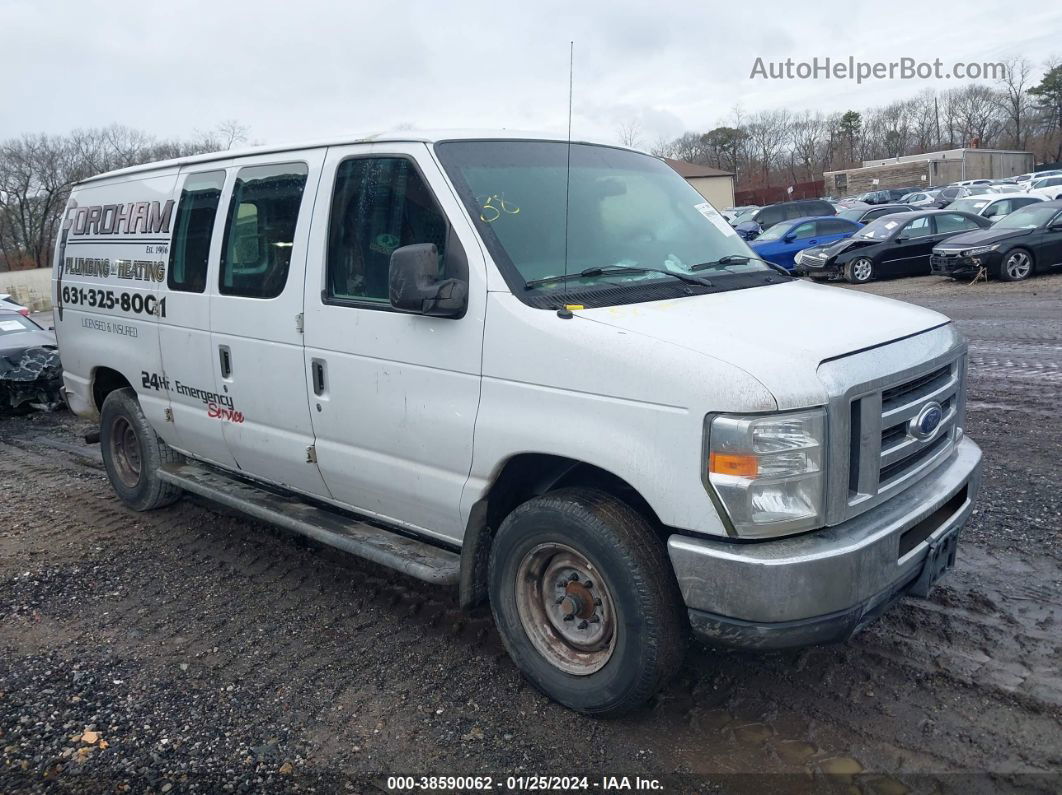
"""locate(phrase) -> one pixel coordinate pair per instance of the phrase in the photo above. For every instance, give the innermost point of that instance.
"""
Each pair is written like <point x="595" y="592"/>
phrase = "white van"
<point x="550" y="374"/>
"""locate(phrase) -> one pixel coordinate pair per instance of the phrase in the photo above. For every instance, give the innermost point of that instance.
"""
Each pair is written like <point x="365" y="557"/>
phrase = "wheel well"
<point x="521" y="478"/>
<point x="104" y="381"/>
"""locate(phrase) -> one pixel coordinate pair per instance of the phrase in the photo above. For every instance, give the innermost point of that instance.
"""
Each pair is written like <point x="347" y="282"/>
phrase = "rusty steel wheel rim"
<point x="125" y="452"/>
<point x="566" y="608"/>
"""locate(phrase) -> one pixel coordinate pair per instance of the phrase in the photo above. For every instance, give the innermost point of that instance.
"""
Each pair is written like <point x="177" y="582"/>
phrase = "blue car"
<point x="781" y="242"/>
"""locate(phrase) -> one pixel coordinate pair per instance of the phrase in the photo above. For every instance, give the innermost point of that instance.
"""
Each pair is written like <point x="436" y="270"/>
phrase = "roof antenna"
<point x="566" y="311"/>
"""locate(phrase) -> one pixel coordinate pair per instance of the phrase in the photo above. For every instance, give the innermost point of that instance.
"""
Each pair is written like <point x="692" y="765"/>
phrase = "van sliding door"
<point x="256" y="320"/>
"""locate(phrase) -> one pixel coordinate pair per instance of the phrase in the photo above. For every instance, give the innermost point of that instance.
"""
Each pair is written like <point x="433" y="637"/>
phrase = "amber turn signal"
<point x="733" y="464"/>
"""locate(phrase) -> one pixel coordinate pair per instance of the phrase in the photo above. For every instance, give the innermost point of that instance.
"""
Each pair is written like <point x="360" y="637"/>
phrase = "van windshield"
<point x="625" y="210"/>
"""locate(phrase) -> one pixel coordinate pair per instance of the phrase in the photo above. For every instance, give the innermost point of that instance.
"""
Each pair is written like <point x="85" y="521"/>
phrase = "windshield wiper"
<point x="615" y="269"/>
<point x="737" y="259"/>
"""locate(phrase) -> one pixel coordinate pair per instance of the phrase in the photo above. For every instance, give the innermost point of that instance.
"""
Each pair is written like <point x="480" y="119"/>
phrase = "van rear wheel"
<point x="133" y="452"/>
<point x="585" y="601"/>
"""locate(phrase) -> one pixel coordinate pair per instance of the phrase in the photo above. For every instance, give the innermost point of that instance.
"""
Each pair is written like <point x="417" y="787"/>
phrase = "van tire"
<point x="133" y="453"/>
<point x="636" y="601"/>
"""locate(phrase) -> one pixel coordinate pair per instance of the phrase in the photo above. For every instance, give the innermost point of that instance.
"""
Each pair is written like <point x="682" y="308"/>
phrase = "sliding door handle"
<point x="318" y="369"/>
<point x="225" y="359"/>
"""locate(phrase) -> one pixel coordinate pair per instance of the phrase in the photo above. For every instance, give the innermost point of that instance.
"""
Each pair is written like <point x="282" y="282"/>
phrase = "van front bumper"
<point x="822" y="586"/>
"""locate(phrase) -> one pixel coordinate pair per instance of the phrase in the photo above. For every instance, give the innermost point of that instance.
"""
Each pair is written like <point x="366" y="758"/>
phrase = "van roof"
<point x="405" y="136"/>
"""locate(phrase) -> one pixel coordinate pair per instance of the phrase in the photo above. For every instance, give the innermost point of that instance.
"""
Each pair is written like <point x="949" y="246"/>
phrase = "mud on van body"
<point x="554" y="378"/>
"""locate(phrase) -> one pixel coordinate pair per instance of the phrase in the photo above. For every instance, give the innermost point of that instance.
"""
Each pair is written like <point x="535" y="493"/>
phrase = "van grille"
<point x="885" y="452"/>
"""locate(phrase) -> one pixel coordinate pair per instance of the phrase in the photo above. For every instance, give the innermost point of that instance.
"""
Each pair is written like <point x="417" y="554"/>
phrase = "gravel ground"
<point x="191" y="649"/>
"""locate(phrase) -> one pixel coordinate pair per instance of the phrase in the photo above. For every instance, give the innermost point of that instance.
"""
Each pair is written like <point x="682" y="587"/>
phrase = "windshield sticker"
<point x="718" y="221"/>
<point x="11" y="325"/>
<point x="890" y="224"/>
<point x="494" y="207"/>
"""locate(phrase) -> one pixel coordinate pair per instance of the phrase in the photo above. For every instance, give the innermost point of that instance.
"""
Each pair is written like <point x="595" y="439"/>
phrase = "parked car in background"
<point x="784" y="240"/>
<point x="30" y="372"/>
<point x="1003" y="187"/>
<point x="922" y="198"/>
<point x="885" y="195"/>
<point x="949" y="194"/>
<point x="1027" y="241"/>
<point x="864" y="215"/>
<point x="967" y="183"/>
<point x="1048" y="187"/>
<point x="896" y="245"/>
<point x="9" y="303"/>
<point x="753" y="225"/>
<point x="733" y="212"/>
<point x="993" y="206"/>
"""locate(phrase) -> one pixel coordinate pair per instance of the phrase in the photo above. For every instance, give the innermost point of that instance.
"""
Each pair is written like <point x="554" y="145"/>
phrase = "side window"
<point x="997" y="208"/>
<point x="260" y="230"/>
<point x="193" y="228"/>
<point x="379" y="204"/>
<point x="804" y="231"/>
<point x="832" y="227"/>
<point x="920" y="227"/>
<point x="769" y="217"/>
<point x="952" y="222"/>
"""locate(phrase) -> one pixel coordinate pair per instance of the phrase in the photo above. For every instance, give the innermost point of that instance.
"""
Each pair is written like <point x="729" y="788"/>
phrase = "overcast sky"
<point x="307" y="69"/>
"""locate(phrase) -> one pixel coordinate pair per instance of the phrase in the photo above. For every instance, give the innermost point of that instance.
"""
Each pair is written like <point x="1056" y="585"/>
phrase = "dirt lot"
<point x="211" y="653"/>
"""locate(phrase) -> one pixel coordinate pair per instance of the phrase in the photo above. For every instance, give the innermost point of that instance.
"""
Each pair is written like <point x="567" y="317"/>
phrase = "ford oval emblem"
<point x="926" y="422"/>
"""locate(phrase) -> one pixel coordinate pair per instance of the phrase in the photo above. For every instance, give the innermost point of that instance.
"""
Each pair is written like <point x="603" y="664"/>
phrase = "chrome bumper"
<point x="823" y="585"/>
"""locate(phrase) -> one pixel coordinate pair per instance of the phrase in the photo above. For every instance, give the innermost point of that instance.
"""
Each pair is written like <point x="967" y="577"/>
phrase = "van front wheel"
<point x="585" y="601"/>
<point x="132" y="453"/>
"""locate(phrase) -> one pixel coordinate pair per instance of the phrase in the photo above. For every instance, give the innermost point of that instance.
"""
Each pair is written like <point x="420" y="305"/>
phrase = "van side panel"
<point x="109" y="263"/>
<point x="544" y="394"/>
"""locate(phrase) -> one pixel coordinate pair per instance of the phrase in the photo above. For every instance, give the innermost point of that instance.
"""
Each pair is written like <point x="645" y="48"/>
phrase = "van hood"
<point x="779" y="334"/>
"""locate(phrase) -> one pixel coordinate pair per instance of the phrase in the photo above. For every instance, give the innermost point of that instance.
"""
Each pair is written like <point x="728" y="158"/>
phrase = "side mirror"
<point x="789" y="238"/>
<point x="1055" y="228"/>
<point x="414" y="284"/>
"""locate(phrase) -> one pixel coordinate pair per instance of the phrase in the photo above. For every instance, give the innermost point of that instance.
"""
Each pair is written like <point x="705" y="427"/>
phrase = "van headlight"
<point x="768" y="470"/>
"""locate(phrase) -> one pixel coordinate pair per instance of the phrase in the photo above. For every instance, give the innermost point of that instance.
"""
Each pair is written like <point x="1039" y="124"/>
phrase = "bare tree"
<point x="630" y="134"/>
<point x="231" y="132"/>
<point x="1014" y="99"/>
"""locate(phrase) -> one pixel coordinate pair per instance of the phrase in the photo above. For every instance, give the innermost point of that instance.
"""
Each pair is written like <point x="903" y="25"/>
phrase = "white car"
<point x="8" y="302"/>
<point x="994" y="206"/>
<point x="967" y="183"/>
<point x="920" y="198"/>
<point x="411" y="347"/>
<point x="1025" y="179"/>
<point x="1048" y="187"/>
